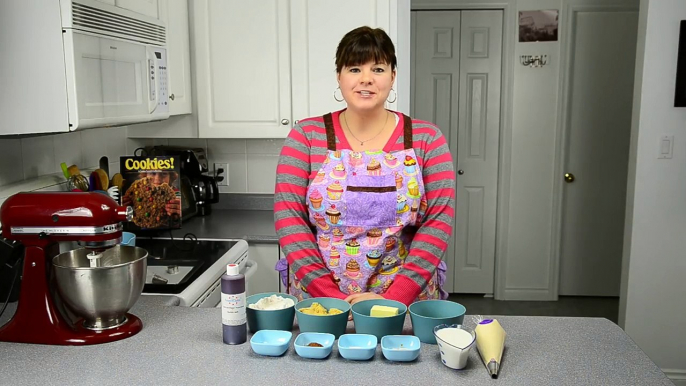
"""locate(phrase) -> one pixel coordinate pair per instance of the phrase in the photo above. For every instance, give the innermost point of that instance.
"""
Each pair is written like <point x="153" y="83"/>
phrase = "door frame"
<point x="563" y="123"/>
<point x="506" y="114"/>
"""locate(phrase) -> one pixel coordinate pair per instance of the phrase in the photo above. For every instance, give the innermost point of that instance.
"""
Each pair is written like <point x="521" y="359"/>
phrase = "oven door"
<point x="114" y="82"/>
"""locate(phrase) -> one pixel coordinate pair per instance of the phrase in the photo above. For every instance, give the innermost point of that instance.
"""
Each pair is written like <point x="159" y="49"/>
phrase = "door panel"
<point x="599" y="125"/>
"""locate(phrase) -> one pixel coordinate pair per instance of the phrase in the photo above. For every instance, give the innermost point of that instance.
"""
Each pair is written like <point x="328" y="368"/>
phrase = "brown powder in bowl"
<point x="314" y="344"/>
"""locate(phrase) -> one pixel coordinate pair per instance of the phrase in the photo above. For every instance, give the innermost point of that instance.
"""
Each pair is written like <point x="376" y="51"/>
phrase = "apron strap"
<point x="407" y="132"/>
<point x="330" y="132"/>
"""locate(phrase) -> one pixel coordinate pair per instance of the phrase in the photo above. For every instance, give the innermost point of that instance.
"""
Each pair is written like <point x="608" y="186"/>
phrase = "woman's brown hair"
<point x="365" y="44"/>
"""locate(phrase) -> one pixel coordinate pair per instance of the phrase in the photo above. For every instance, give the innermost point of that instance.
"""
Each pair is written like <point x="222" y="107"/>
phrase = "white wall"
<point x="654" y="302"/>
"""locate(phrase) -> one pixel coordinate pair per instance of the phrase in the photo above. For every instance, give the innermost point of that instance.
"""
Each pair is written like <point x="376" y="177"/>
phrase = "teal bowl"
<point x="269" y="319"/>
<point x="380" y="327"/>
<point x="427" y="314"/>
<point x="330" y="324"/>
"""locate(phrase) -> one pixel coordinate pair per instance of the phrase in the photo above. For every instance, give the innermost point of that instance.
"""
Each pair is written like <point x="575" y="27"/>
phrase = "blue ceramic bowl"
<point x="400" y="348"/>
<point x="427" y="314"/>
<point x="330" y="324"/>
<point x="390" y="325"/>
<point x="269" y="319"/>
<point x="357" y="347"/>
<point x="305" y="351"/>
<point x="128" y="238"/>
<point x="271" y="342"/>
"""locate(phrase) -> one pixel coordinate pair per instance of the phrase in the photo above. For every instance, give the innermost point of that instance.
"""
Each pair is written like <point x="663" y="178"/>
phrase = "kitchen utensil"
<point x="98" y="283"/>
<point x="102" y="182"/>
<point x="357" y="347"/>
<point x="118" y="181"/>
<point x="270" y="319"/>
<point x="113" y="192"/>
<point x="271" y="342"/>
<point x="74" y="178"/>
<point x="490" y="341"/>
<point x="303" y="348"/>
<point x="105" y="164"/>
<point x="332" y="324"/>
<point x="378" y="326"/>
<point x="103" y="294"/>
<point x="454" y="343"/>
<point x="400" y="348"/>
<point x="427" y="314"/>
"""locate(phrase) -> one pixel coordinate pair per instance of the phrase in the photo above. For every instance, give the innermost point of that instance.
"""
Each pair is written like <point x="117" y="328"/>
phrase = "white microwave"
<point x="101" y="66"/>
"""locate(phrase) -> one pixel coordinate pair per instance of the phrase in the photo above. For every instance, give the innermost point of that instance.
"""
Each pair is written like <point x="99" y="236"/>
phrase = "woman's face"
<point x="366" y="87"/>
<point x="159" y="178"/>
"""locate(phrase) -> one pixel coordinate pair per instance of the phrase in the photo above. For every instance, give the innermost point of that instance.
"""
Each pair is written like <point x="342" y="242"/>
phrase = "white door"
<point x="145" y="7"/>
<point x="456" y="84"/>
<point x="242" y="56"/>
<point x="599" y="125"/>
<point x="315" y="35"/>
<point x="175" y="15"/>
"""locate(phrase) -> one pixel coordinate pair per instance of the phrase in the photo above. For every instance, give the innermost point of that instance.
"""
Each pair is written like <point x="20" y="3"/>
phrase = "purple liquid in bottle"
<point x="234" y="325"/>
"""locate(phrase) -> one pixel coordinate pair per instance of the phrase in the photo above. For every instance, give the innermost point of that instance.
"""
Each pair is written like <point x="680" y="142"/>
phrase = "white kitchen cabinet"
<point x="242" y="62"/>
<point x="146" y="7"/>
<point x="266" y="278"/>
<point x="175" y="15"/>
<point x="316" y="29"/>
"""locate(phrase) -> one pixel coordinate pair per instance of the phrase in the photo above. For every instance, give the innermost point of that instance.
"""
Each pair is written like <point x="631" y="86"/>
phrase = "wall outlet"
<point x="221" y="172"/>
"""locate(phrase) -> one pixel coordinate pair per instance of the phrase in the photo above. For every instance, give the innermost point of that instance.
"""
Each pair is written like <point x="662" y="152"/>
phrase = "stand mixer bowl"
<point x="101" y="294"/>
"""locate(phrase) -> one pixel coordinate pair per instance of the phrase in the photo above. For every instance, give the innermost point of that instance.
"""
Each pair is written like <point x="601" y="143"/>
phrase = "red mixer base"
<point x="62" y="334"/>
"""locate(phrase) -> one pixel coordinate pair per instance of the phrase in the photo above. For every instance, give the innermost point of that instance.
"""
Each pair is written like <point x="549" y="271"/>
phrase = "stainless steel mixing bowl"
<point x="101" y="295"/>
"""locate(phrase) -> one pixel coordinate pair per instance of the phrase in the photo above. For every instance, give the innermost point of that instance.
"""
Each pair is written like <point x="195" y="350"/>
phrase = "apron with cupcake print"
<point x="360" y="203"/>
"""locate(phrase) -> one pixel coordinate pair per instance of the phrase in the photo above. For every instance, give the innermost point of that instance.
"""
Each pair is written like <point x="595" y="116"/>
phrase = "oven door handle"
<point x="250" y="269"/>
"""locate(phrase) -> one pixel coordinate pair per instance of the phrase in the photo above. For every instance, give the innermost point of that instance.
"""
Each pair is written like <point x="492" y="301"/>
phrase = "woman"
<point x="364" y="196"/>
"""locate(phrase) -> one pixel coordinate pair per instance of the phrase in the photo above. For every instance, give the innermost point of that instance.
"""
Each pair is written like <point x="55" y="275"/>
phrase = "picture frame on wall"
<point x="538" y="26"/>
<point x="680" y="89"/>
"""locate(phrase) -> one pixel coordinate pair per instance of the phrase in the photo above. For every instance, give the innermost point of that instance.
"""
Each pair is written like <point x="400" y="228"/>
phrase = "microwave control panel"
<point x="159" y="84"/>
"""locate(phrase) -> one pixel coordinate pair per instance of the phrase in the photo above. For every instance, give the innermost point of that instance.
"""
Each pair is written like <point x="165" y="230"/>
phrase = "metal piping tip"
<point x="493" y="367"/>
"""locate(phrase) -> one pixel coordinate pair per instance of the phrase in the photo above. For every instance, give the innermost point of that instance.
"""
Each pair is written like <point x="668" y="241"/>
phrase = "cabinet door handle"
<point x="171" y="97"/>
<point x="284" y="122"/>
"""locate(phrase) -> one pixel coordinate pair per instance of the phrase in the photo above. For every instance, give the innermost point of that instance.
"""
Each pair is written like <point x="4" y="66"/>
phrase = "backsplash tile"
<point x="262" y="173"/>
<point x="264" y="146"/>
<point x="11" y="167"/>
<point x="31" y="157"/>
<point x="67" y="149"/>
<point x="39" y="155"/>
<point x="189" y="142"/>
<point x="238" y="179"/>
<point x="226" y="146"/>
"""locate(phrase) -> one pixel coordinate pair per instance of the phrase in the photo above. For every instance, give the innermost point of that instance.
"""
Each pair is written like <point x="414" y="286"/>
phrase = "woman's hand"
<point x="354" y="298"/>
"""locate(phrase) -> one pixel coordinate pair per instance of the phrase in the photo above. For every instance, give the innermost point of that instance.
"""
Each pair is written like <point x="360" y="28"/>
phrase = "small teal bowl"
<point x="330" y="324"/>
<point x="305" y="351"/>
<point x="400" y="348"/>
<point x="271" y="343"/>
<point x="357" y="347"/>
<point x="427" y="314"/>
<point x="390" y="325"/>
<point x="128" y="238"/>
<point x="269" y="319"/>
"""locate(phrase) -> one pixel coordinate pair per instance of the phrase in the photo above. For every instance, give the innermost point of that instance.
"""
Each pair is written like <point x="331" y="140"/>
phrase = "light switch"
<point x="666" y="146"/>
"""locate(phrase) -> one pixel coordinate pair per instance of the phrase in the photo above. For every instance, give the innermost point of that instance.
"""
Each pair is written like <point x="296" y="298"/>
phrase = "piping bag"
<point x="490" y="341"/>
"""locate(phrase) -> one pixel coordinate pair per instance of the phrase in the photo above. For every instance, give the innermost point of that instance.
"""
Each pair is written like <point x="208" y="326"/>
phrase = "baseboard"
<point x="678" y="376"/>
<point x="533" y="294"/>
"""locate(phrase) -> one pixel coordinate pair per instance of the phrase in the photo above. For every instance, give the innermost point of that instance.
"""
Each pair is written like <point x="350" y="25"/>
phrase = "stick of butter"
<point x="382" y="311"/>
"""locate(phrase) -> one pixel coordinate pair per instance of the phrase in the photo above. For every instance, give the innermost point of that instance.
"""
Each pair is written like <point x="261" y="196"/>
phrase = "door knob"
<point x="569" y="177"/>
<point x="284" y="122"/>
<point x="171" y="97"/>
<point x="460" y="172"/>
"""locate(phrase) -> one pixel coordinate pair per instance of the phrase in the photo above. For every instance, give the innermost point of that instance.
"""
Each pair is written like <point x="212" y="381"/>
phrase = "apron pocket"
<point x="371" y="202"/>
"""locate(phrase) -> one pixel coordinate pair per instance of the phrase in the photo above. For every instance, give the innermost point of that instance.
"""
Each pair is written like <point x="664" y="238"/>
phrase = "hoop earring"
<point x="334" y="95"/>
<point x="395" y="96"/>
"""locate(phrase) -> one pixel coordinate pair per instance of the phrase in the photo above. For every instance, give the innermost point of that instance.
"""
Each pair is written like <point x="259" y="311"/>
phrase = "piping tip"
<point x="493" y="367"/>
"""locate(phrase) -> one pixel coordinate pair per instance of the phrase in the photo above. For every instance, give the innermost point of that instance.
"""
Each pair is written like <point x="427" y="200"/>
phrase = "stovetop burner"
<point x="175" y="264"/>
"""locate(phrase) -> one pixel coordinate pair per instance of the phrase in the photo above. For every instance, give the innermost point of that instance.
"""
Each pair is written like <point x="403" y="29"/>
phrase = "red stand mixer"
<point x="98" y="284"/>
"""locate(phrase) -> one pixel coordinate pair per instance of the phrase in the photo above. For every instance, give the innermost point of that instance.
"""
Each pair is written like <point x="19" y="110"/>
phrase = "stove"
<point x="191" y="269"/>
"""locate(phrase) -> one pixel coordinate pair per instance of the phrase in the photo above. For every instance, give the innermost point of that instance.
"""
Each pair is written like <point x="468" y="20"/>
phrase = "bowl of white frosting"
<point x="270" y="311"/>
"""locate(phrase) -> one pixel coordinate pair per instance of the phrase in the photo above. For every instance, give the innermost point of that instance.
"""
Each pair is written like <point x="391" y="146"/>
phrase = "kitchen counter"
<point x="180" y="345"/>
<point x="254" y="226"/>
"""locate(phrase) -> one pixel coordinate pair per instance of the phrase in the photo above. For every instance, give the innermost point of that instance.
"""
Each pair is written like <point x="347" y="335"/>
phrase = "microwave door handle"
<point x="153" y="80"/>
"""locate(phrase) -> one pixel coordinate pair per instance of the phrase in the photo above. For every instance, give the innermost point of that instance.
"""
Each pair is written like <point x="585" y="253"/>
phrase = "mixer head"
<point x="93" y="219"/>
